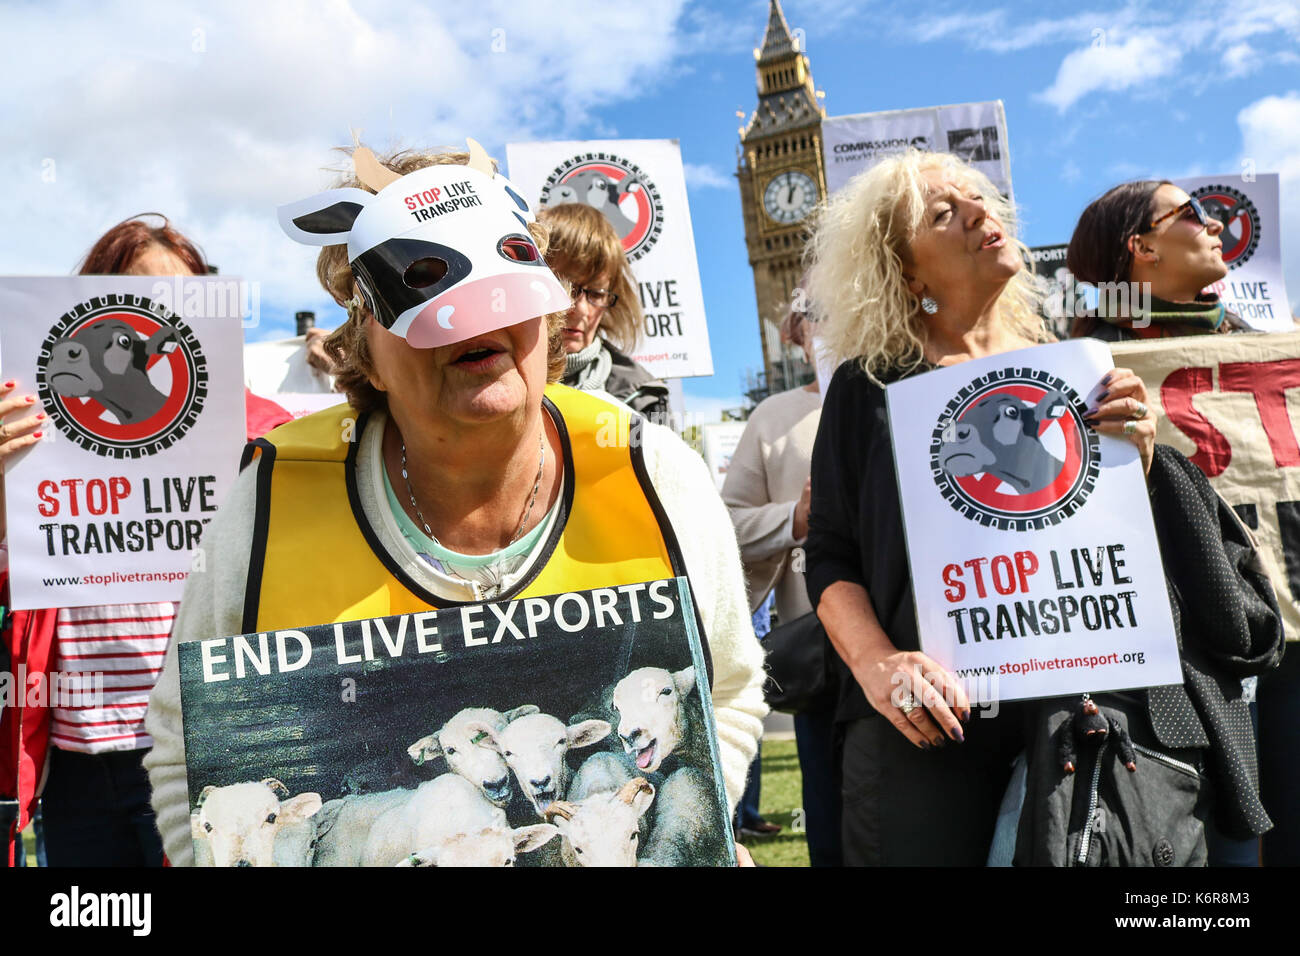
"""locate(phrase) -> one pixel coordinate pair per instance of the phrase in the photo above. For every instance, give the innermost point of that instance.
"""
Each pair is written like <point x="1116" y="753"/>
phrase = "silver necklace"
<point x="532" y="499"/>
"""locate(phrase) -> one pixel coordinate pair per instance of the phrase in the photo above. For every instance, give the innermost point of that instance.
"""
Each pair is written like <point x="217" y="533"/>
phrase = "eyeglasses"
<point x="598" y="298"/>
<point x="1192" y="206"/>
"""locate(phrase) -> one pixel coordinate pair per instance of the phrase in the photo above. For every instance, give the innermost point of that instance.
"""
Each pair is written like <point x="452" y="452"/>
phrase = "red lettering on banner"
<point x="974" y="565"/>
<point x="1268" y="382"/>
<point x="1026" y="564"/>
<point x="46" y="491"/>
<point x="952" y="577"/>
<point x="1212" y="449"/>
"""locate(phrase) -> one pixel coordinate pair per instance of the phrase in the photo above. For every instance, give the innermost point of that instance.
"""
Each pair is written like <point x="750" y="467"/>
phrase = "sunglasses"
<point x="1192" y="206"/>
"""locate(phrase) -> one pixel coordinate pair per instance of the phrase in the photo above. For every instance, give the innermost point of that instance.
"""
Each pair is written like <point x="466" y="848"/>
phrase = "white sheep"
<point x="240" y="824"/>
<point x="602" y="820"/>
<point x="491" y="846"/>
<point x="535" y="748"/>
<point x="467" y="754"/>
<point x="445" y="822"/>
<point x="688" y="830"/>
<point x="653" y="719"/>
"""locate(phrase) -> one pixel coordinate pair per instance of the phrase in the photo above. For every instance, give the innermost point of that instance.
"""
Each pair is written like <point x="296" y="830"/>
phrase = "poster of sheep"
<point x="570" y="730"/>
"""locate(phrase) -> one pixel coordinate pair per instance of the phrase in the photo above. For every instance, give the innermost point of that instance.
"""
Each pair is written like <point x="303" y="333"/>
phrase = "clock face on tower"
<point x="790" y="196"/>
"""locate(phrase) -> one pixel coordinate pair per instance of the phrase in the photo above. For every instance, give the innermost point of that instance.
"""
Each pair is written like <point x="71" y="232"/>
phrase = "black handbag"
<point x="799" y="675"/>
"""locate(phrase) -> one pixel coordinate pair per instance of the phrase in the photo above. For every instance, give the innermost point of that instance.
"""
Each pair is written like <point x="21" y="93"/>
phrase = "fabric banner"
<point x="142" y="380"/>
<point x="640" y="187"/>
<point x="1254" y="287"/>
<point x="575" y="729"/>
<point x="1230" y="403"/>
<point x="1034" y="560"/>
<point x="974" y="131"/>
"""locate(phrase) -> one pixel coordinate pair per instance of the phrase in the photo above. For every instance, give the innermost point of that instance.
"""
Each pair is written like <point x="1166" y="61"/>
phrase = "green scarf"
<point x="1203" y="316"/>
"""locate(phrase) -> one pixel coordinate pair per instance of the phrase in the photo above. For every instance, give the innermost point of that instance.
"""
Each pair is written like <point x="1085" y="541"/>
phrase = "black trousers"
<point x="97" y="811"/>
<point x="903" y="806"/>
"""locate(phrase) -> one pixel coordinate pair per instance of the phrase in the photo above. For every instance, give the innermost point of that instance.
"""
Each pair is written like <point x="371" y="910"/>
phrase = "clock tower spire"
<point x="782" y="177"/>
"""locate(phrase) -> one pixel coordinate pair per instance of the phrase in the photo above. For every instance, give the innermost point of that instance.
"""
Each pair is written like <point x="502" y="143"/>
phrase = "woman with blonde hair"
<point x="604" y="322"/>
<point x="913" y="265"/>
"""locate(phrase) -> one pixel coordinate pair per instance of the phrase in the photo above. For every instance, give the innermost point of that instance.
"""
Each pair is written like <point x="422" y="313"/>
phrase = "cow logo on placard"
<point x="121" y="376"/>
<point x="1011" y="451"/>
<point x="1240" y="221"/>
<point x="616" y="187"/>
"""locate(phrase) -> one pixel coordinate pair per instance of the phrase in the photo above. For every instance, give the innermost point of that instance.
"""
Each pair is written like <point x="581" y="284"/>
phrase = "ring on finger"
<point x="1130" y="428"/>
<point x="1139" y="411"/>
<point x="907" y="704"/>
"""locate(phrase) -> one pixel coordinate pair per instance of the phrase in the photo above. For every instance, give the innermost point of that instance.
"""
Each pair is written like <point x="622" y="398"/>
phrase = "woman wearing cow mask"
<point x="604" y="321"/>
<point x="914" y="266"/>
<point x="473" y="474"/>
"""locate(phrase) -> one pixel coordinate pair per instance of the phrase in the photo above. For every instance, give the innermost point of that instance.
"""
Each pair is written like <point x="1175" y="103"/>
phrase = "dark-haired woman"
<point x="1152" y="236"/>
<point x="86" y="763"/>
<point x="95" y="793"/>
<point x="1157" y="241"/>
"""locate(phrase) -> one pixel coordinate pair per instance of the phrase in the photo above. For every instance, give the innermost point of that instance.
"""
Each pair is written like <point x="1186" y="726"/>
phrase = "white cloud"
<point x="701" y="176"/>
<point x="1128" y="43"/>
<point x="1270" y="138"/>
<point x="215" y="118"/>
<point x="1240" y="59"/>
<point x="1110" y="66"/>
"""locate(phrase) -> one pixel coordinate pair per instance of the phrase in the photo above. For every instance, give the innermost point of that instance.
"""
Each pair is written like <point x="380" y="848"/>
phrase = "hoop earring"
<point x="929" y="306"/>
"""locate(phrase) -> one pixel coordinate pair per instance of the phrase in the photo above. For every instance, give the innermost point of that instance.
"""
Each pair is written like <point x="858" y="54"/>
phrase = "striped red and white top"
<point x="125" y="643"/>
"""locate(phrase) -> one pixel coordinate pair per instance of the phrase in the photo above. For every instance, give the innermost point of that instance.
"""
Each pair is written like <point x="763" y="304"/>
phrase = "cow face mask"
<point x="441" y="254"/>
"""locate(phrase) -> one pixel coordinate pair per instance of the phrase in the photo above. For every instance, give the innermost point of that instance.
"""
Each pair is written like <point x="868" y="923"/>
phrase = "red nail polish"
<point x="37" y="434"/>
<point x="30" y="399"/>
<point x="10" y="384"/>
<point x="40" y="417"/>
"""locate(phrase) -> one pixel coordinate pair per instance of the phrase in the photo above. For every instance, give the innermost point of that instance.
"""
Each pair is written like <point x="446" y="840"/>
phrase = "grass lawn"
<point x="779" y="798"/>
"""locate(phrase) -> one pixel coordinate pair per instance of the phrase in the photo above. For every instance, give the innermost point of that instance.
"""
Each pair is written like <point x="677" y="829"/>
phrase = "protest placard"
<point x="719" y="441"/>
<point x="575" y="729"/>
<point x="1033" y="554"/>
<point x="640" y="187"/>
<point x="975" y="131"/>
<point x="1255" y="287"/>
<point x="142" y="381"/>
<point x="1057" y="286"/>
<point x="1230" y="403"/>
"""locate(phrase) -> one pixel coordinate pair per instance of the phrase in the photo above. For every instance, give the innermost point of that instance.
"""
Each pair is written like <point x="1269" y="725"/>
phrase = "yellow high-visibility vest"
<point x="316" y="560"/>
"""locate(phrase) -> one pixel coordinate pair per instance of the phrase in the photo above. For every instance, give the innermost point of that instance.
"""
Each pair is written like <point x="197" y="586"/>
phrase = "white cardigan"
<point x="213" y="606"/>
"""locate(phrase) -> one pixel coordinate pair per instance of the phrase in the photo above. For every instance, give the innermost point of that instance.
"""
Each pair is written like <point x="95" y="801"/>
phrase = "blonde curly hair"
<point x="854" y="261"/>
<point x="347" y="345"/>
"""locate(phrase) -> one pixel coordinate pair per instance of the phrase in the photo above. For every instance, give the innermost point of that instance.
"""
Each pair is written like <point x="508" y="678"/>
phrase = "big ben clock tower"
<point x="781" y="179"/>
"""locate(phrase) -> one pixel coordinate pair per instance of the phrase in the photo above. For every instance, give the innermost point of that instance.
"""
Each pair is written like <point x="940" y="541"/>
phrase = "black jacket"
<point x="1188" y="735"/>
<point x="1224" y="610"/>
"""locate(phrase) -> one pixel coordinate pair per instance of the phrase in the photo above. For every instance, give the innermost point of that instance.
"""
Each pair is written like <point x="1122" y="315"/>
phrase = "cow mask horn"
<point x="441" y="254"/>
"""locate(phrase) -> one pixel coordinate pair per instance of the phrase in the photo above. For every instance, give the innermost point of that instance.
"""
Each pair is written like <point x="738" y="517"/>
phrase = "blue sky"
<point x="214" y="114"/>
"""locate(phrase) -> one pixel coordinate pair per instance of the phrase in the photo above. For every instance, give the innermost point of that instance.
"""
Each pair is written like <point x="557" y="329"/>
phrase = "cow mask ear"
<point x="324" y="219"/>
